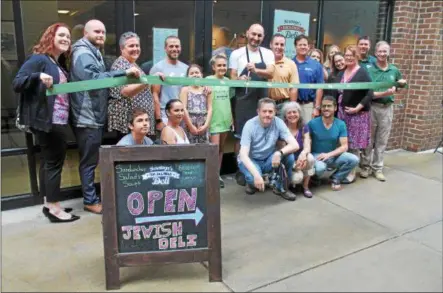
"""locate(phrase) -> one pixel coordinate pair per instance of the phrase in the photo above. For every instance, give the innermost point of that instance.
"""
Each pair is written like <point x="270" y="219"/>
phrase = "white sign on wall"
<point x="291" y="24"/>
<point x="158" y="42"/>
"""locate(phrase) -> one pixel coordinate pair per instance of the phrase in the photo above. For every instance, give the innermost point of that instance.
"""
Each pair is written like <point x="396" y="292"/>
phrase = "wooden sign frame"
<point x="109" y="155"/>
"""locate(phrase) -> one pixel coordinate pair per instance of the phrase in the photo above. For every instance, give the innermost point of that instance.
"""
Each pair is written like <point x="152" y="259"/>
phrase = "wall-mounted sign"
<point x="291" y="24"/>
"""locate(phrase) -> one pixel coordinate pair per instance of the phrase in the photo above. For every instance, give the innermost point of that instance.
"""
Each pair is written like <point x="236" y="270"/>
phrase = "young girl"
<point x="221" y="103"/>
<point x="198" y="108"/>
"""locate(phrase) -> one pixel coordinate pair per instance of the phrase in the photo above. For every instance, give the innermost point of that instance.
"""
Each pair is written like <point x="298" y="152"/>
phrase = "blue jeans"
<point x="344" y="164"/>
<point x="265" y="166"/>
<point x="89" y="141"/>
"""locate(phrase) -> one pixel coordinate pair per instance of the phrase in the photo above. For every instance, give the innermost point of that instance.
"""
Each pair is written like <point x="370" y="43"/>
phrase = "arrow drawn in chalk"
<point x="196" y="216"/>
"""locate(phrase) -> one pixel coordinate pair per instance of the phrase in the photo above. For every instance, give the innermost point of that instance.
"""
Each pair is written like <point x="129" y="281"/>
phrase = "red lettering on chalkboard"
<point x="170" y="197"/>
<point x="163" y="243"/>
<point x="127" y="230"/>
<point x="153" y="196"/>
<point x="177" y="228"/>
<point x="135" y="196"/>
<point x="136" y="232"/>
<point x="190" y="200"/>
<point x="192" y="239"/>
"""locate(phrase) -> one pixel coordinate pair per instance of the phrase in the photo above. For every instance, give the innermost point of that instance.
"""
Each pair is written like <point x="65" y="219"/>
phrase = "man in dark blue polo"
<point x="309" y="71"/>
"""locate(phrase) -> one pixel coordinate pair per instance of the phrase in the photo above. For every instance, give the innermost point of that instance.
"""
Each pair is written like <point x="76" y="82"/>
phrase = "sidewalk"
<point x="371" y="236"/>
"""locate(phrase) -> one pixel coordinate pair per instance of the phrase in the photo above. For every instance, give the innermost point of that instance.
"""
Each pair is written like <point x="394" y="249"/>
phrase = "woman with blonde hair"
<point x="329" y="62"/>
<point x="304" y="161"/>
<point x="317" y="55"/>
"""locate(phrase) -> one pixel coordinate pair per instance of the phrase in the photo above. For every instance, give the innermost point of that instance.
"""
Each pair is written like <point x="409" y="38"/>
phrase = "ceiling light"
<point x="63" y="11"/>
<point x="215" y="1"/>
<point x="73" y="13"/>
<point x="135" y="14"/>
<point x="314" y="19"/>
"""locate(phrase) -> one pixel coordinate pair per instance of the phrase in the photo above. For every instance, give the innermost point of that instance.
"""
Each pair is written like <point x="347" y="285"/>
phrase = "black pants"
<point x="89" y="141"/>
<point x="53" y="153"/>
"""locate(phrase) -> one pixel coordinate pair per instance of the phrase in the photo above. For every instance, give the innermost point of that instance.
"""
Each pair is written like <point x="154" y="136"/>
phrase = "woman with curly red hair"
<point x="47" y="116"/>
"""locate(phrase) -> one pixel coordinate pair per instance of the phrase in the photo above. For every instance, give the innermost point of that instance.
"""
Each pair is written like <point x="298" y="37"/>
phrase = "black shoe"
<point x="222" y="183"/>
<point x="250" y="189"/>
<point x="54" y="219"/>
<point x="46" y="210"/>
<point x="240" y="178"/>
<point x="286" y="195"/>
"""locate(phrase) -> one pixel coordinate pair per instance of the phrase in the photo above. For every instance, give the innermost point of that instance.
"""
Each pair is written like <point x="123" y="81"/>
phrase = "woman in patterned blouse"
<point x="128" y="97"/>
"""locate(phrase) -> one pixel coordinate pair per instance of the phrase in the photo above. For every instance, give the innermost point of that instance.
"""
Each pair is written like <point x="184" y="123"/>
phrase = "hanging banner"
<point x="291" y="24"/>
<point x="158" y="42"/>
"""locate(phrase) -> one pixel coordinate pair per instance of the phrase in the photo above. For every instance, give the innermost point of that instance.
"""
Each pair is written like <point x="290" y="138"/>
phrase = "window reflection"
<point x="346" y="21"/>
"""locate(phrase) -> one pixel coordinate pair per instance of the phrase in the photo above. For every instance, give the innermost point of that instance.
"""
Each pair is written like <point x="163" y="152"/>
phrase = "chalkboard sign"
<point x="160" y="205"/>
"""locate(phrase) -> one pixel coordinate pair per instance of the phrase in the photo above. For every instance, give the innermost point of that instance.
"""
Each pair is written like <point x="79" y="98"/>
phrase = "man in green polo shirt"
<point x="382" y="112"/>
<point x="365" y="59"/>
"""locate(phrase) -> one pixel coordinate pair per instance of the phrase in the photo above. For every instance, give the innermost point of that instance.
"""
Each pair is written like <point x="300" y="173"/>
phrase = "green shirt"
<point x="221" y="108"/>
<point x="368" y="62"/>
<point x="378" y="75"/>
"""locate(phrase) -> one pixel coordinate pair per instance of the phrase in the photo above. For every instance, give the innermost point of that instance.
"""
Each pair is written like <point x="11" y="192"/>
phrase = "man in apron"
<point x="251" y="62"/>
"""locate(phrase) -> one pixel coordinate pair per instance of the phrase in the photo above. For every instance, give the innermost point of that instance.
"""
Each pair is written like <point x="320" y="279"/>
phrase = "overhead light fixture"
<point x="63" y="11"/>
<point x="73" y="13"/>
<point x="314" y="19"/>
<point x="215" y="1"/>
<point x="135" y="14"/>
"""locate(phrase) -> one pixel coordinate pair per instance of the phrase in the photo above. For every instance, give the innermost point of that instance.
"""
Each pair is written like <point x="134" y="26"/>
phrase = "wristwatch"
<point x="157" y="121"/>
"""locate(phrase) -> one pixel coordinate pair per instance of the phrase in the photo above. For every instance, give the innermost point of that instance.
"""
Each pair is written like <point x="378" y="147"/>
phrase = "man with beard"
<point x="382" y="112"/>
<point x="309" y="71"/>
<point x="285" y="71"/>
<point x="328" y="132"/>
<point x="250" y="62"/>
<point x="170" y="66"/>
<point x="89" y="108"/>
<point x="364" y="45"/>
<point x="258" y="152"/>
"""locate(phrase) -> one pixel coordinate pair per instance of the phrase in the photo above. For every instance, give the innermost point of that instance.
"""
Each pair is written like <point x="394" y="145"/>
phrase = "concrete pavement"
<point x="371" y="236"/>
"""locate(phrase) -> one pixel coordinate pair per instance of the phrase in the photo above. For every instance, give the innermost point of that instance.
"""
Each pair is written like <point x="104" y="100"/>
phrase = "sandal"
<point x="307" y="193"/>
<point x="335" y="185"/>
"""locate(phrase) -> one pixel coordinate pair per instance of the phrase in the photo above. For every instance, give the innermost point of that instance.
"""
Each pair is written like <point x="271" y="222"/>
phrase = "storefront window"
<point x="231" y="20"/>
<point x="15" y="176"/>
<point x="155" y="20"/>
<point x="37" y="16"/>
<point x="11" y="136"/>
<point x="346" y="21"/>
<point x="292" y="18"/>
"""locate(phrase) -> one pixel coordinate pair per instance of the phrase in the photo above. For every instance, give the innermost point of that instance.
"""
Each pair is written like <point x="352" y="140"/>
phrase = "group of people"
<point x="306" y="140"/>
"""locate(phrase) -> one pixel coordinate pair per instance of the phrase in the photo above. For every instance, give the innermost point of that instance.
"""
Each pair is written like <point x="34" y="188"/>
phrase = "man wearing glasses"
<point x="326" y="133"/>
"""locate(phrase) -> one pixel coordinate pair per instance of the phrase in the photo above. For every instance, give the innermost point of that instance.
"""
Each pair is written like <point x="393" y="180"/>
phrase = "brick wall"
<point x="417" y="50"/>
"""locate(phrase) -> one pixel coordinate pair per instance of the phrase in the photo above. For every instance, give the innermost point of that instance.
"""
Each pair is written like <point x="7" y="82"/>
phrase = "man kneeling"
<point x="258" y="151"/>
<point x="139" y="126"/>
<point x="330" y="144"/>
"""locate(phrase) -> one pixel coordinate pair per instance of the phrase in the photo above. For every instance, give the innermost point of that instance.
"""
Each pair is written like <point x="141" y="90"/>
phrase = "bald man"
<point x="251" y="62"/>
<point x="89" y="108"/>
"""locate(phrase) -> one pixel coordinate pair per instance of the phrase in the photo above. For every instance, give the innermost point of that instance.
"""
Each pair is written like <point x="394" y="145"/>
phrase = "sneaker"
<point x="240" y="178"/>
<point x="286" y="195"/>
<point x="250" y="189"/>
<point x="222" y="183"/>
<point x="364" y="173"/>
<point x="379" y="176"/>
<point x="351" y="176"/>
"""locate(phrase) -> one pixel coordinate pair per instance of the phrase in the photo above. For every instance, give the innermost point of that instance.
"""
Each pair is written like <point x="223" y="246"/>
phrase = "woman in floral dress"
<point x="126" y="98"/>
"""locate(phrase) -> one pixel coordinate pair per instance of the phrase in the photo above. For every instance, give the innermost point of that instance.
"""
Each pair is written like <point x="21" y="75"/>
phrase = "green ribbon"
<point x="87" y="85"/>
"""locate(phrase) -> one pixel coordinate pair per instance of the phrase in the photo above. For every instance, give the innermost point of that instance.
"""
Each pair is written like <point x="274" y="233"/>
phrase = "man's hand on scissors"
<point x="251" y="67"/>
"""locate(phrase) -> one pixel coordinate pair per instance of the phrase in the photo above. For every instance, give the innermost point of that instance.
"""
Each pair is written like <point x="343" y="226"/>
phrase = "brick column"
<point x="417" y="50"/>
